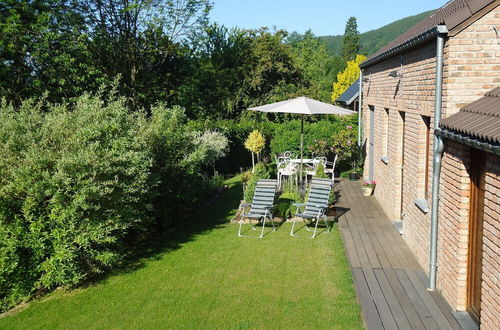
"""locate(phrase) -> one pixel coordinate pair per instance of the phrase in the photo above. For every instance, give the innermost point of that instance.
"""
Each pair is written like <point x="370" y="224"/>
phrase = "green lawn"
<point x="204" y="276"/>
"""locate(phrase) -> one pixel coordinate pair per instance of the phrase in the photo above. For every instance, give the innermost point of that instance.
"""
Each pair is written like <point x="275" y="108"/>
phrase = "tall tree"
<point x="351" y="40"/>
<point x="141" y="40"/>
<point x="44" y="49"/>
<point x="347" y="77"/>
<point x="320" y="68"/>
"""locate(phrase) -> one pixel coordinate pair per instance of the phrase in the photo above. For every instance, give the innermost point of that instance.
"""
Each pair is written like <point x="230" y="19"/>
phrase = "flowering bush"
<point x="320" y="148"/>
<point x="369" y="184"/>
<point x="344" y="144"/>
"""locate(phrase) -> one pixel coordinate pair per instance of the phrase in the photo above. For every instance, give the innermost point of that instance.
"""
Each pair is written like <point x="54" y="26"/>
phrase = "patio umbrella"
<point x="303" y="106"/>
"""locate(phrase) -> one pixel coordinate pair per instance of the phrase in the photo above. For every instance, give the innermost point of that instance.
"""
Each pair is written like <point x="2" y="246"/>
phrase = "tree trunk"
<point x="253" y="163"/>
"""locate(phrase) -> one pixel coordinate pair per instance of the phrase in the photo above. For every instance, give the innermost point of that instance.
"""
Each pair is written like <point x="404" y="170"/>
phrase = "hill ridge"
<point x="371" y="41"/>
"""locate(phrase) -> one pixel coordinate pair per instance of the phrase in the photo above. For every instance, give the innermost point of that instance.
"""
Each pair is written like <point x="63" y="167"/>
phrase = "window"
<point x="425" y="159"/>
<point x="385" y="146"/>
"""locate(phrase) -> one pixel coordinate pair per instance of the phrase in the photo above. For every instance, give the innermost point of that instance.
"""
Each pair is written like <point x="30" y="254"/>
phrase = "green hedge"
<point x="77" y="181"/>
<point x="286" y="136"/>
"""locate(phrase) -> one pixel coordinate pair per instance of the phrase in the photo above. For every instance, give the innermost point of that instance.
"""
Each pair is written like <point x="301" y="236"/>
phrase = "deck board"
<point x="390" y="284"/>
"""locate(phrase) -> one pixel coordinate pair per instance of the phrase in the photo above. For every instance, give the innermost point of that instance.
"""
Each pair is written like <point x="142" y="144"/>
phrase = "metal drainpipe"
<point x="438" y="153"/>
<point x="360" y="105"/>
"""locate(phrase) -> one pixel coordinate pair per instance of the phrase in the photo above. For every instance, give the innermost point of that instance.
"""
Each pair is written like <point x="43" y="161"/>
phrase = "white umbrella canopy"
<point x="303" y="106"/>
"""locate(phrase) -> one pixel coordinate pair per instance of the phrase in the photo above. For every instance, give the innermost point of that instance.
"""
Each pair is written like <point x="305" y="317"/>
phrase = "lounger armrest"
<point x="298" y="204"/>
<point x="245" y="205"/>
<point x="323" y="206"/>
<point x="268" y="207"/>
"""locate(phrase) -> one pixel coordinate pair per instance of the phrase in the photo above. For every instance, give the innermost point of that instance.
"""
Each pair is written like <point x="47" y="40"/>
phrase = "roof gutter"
<point x="398" y="49"/>
<point x="469" y="141"/>
<point x="441" y="31"/>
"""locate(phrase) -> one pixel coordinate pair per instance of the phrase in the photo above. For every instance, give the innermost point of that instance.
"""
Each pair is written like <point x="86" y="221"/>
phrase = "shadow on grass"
<point x="155" y="245"/>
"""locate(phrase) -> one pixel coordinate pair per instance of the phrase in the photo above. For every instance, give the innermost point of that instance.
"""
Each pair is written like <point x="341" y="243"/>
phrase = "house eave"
<point x="469" y="141"/>
<point x="409" y="44"/>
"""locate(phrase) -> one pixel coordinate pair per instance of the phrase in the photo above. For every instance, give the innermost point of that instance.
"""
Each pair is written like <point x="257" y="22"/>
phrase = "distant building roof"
<point x="452" y="14"/>
<point x="479" y="119"/>
<point x="350" y="95"/>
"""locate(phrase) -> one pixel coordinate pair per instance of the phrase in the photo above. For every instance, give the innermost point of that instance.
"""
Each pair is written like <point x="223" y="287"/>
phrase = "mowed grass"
<point x="203" y="276"/>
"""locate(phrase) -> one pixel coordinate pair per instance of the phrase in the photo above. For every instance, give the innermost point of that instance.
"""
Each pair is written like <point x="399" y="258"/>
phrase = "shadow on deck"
<point x="390" y="284"/>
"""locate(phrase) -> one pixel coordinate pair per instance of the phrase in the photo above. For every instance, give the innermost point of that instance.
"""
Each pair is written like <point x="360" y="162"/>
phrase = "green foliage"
<point x="321" y="148"/>
<point x="259" y="172"/>
<point x="291" y="194"/>
<point x="320" y="171"/>
<point x="255" y="142"/>
<point x="320" y="68"/>
<point x="77" y="181"/>
<point x="347" y="77"/>
<point x="371" y="41"/>
<point x="236" y="132"/>
<point x="236" y="69"/>
<point x="345" y="144"/>
<point x="45" y="49"/>
<point x="287" y="135"/>
<point x="350" y="46"/>
<point x="72" y="185"/>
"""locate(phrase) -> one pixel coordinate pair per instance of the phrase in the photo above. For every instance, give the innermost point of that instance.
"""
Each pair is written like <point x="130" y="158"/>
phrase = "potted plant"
<point x="368" y="187"/>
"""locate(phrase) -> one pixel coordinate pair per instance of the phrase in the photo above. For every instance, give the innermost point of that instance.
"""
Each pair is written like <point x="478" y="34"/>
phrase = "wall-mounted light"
<point x="395" y="74"/>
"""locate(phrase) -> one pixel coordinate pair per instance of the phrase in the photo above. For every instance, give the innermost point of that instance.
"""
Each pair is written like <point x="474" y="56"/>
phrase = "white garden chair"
<point x="331" y="170"/>
<point x="289" y="170"/>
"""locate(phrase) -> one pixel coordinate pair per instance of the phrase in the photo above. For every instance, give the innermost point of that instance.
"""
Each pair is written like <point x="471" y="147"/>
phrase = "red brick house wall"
<point x="472" y="67"/>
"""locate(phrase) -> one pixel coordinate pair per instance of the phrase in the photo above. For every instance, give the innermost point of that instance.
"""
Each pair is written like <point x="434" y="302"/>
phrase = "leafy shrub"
<point x="345" y="145"/>
<point x="182" y="159"/>
<point x="320" y="171"/>
<point x="287" y="135"/>
<point x="259" y="172"/>
<point x="236" y="131"/>
<point x="291" y="194"/>
<point x="76" y="182"/>
<point x="72" y="185"/>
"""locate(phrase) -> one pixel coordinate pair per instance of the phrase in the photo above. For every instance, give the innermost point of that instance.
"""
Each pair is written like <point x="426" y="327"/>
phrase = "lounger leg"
<point x="263" y="225"/>
<point x="272" y="222"/>
<point x="293" y="226"/>
<point x="326" y="223"/>
<point x="239" y="230"/>
<point x="315" y="227"/>
<point x="305" y="225"/>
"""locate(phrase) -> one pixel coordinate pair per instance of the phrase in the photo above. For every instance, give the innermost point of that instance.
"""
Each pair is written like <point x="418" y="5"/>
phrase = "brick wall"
<point x="472" y="66"/>
<point x="472" y="63"/>
<point x="454" y="224"/>
<point x="490" y="290"/>
<point x="413" y="95"/>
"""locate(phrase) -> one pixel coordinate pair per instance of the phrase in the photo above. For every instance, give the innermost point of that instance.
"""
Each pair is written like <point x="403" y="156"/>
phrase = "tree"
<point x="44" y="48"/>
<point x="142" y="41"/>
<point x="351" y="40"/>
<point x="255" y="143"/>
<point x="347" y="77"/>
<point x="320" y="67"/>
<point x="236" y="69"/>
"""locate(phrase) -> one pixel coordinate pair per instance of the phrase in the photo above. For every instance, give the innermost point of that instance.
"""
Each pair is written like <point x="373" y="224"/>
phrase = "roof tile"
<point x="479" y="119"/>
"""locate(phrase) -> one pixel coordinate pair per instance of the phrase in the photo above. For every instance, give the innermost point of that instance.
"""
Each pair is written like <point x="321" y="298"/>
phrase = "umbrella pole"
<point x="301" y="149"/>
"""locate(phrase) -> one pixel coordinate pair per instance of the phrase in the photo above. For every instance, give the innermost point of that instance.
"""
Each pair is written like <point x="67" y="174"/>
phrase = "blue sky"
<point x="323" y="17"/>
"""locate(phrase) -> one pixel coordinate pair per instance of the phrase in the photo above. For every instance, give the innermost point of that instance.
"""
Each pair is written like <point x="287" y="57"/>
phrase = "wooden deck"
<point x="390" y="284"/>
